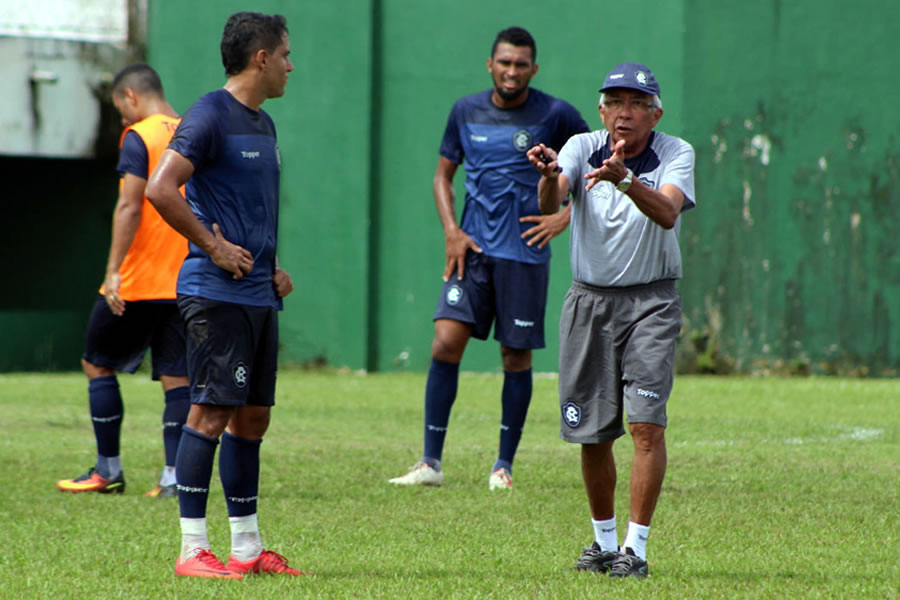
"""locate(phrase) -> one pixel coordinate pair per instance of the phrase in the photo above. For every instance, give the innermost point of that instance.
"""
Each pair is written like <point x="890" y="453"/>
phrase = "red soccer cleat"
<point x="204" y="564"/>
<point x="267" y="562"/>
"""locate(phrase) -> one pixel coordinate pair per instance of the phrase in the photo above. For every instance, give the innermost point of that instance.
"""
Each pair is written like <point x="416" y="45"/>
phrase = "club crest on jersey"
<point x="240" y="374"/>
<point x="571" y="414"/>
<point x="454" y="294"/>
<point x="522" y="140"/>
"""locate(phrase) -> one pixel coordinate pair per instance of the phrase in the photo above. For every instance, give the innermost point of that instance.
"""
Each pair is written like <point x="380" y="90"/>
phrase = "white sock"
<point x="636" y="539"/>
<point x="109" y="467"/>
<point x="605" y="534"/>
<point x="193" y="537"/>
<point x="246" y="543"/>
<point x="167" y="477"/>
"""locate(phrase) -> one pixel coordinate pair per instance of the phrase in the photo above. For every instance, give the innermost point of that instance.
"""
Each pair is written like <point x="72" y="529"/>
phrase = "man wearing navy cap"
<point x="622" y="313"/>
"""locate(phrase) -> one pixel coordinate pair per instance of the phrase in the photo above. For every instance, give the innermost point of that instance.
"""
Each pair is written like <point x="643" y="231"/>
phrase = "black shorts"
<point x="232" y="352"/>
<point x="120" y="343"/>
<point x="512" y="293"/>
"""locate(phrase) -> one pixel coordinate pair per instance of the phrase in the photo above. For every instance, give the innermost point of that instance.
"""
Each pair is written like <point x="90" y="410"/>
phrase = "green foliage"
<point x="776" y="488"/>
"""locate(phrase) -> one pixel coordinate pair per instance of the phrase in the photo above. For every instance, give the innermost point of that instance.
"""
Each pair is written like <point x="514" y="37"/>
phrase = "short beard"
<point x="509" y="96"/>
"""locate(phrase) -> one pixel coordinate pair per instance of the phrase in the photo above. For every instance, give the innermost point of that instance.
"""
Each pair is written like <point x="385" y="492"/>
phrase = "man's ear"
<point x="261" y="57"/>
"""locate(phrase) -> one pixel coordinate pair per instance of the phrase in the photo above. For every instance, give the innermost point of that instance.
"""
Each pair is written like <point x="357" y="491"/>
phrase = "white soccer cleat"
<point x="420" y="474"/>
<point x="501" y="479"/>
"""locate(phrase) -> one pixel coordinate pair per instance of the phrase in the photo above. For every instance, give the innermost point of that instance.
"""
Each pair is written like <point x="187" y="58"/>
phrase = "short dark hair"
<point x="140" y="77"/>
<point x="247" y="32"/>
<point x="517" y="36"/>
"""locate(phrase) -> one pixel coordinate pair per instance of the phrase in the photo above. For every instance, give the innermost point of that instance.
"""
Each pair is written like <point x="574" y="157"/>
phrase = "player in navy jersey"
<point x="229" y="289"/>
<point x="622" y="315"/>
<point x="497" y="260"/>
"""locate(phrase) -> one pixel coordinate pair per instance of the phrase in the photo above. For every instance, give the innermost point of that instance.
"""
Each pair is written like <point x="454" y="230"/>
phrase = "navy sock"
<point x="107" y="412"/>
<point x="440" y="393"/>
<point x="516" y="398"/>
<point x="178" y="404"/>
<point x="239" y="472"/>
<point x="193" y="470"/>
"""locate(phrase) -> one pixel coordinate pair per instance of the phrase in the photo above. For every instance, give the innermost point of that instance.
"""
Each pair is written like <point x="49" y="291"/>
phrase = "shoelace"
<point x="87" y="475"/>
<point x="622" y="565"/>
<point x="272" y="561"/>
<point x="209" y="559"/>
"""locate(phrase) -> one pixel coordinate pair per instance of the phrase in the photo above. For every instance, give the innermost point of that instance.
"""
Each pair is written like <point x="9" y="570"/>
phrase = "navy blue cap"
<point x="633" y="76"/>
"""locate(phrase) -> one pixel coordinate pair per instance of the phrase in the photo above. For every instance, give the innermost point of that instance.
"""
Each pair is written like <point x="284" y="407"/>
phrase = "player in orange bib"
<point x="135" y="309"/>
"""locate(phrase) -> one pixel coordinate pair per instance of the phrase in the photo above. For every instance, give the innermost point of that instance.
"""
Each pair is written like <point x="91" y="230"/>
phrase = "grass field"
<point x="776" y="488"/>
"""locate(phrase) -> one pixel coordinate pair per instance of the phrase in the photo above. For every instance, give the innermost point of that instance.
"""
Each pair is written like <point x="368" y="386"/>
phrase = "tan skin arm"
<point x="173" y="172"/>
<point x="125" y="222"/>
<point x="553" y="186"/>
<point x="662" y="206"/>
<point x="456" y="241"/>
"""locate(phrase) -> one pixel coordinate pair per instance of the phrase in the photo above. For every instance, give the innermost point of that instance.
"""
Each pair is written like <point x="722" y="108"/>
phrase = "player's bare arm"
<point x="456" y="241"/>
<point x="282" y="281"/>
<point x="553" y="185"/>
<point x="172" y="172"/>
<point x="126" y="220"/>
<point x="547" y="226"/>
<point x="662" y="206"/>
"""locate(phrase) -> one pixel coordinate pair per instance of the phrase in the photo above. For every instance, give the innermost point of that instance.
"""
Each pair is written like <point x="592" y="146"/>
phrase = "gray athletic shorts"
<point x="616" y="357"/>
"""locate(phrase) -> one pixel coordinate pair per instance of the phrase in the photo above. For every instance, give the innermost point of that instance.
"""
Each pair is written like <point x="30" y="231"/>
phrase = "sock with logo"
<point x="246" y="543"/>
<point x="636" y="539"/>
<point x="605" y="534"/>
<point x="178" y="404"/>
<point x="193" y="471"/>
<point x="516" y="397"/>
<point x="193" y="537"/>
<point x="239" y="472"/>
<point x="440" y="393"/>
<point x="107" y="412"/>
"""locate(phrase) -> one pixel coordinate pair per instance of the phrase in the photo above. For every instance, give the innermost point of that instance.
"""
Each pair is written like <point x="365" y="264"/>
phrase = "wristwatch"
<point x="625" y="184"/>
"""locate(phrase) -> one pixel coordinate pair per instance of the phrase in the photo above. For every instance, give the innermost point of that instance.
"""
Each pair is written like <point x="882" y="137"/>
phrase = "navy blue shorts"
<point x="232" y="352"/>
<point x="511" y="293"/>
<point x="120" y="343"/>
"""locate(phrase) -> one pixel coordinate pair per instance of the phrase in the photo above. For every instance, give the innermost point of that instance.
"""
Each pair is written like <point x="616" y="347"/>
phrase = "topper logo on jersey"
<point x="246" y="154"/>
<point x="602" y="192"/>
<point x="454" y="295"/>
<point x="522" y="140"/>
<point x="571" y="414"/>
<point x="240" y="373"/>
<point x="647" y="394"/>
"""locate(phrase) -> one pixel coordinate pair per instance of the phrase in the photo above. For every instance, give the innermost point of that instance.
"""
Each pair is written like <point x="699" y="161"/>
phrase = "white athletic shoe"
<point x="501" y="479"/>
<point x="421" y="473"/>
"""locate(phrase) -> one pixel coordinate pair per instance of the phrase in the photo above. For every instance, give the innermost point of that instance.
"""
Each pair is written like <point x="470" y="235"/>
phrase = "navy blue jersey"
<point x="133" y="156"/>
<point x="235" y="184"/>
<point x="501" y="185"/>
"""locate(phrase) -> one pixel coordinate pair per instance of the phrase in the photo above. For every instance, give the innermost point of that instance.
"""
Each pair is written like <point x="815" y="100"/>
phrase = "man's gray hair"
<point x="657" y="103"/>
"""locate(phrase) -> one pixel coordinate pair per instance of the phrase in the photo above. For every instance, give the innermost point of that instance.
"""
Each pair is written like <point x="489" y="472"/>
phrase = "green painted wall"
<point x="790" y="258"/>
<point x="324" y="125"/>
<point x="433" y="53"/>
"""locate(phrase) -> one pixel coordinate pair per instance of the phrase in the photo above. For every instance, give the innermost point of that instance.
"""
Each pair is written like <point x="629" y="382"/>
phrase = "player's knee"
<point x="515" y="360"/>
<point x="93" y="371"/>
<point x="648" y="437"/>
<point x="208" y="419"/>
<point x="447" y="349"/>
